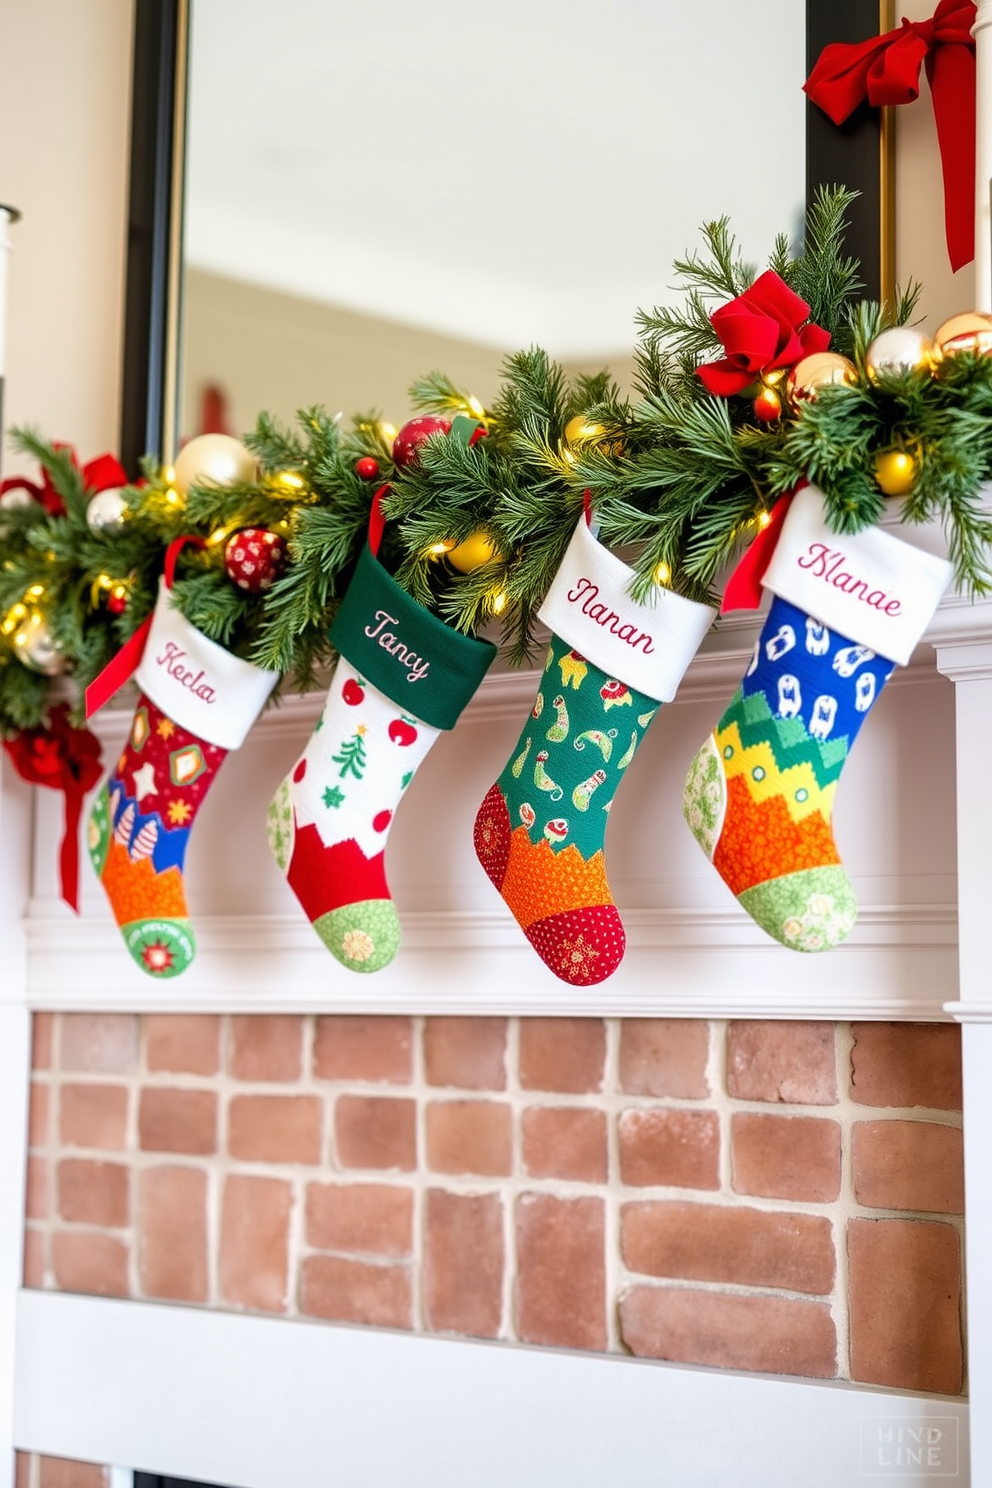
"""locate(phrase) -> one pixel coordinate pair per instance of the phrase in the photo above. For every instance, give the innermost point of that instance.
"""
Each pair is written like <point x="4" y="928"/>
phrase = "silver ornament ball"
<point x="901" y="349"/>
<point x="213" y="459"/>
<point x="106" y="509"/>
<point x="33" y="646"/>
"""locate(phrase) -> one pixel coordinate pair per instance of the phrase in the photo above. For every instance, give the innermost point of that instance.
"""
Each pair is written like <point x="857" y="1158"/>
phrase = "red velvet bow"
<point x="102" y="474"/>
<point x="886" y="70"/>
<point x="67" y="759"/>
<point x="763" y="330"/>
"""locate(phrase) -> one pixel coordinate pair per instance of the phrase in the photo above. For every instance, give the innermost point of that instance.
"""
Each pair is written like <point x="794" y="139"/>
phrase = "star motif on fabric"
<point x="577" y="952"/>
<point x="144" y="781"/>
<point x="362" y="729"/>
<point x="166" y="728"/>
<point x="156" y="956"/>
<point x="333" y="796"/>
<point x="179" y="813"/>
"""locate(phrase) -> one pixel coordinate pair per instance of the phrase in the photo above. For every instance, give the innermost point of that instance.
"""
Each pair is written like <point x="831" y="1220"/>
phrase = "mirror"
<point x="368" y="197"/>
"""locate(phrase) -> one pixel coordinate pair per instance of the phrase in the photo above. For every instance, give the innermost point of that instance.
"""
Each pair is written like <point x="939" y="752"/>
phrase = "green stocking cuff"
<point x="421" y="664"/>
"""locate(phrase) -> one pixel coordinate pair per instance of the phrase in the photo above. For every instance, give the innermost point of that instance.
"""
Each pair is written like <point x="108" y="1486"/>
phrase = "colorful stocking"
<point x="197" y="703"/>
<point x="759" y="794"/>
<point x="403" y="676"/>
<point x="540" y="831"/>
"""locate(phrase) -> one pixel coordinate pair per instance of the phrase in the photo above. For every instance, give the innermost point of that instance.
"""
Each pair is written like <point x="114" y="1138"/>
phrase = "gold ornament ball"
<point x="970" y="331"/>
<point x="819" y="370"/>
<point x="900" y="349"/>
<point x="472" y="553"/>
<point x="896" y="472"/>
<point x="580" y="430"/>
<point x="33" y="647"/>
<point x="217" y="459"/>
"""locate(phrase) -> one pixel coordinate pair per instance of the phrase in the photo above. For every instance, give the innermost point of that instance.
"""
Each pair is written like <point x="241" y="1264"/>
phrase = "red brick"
<point x="723" y="1331"/>
<point x="786" y="1157"/>
<point x="86" y="1262"/>
<point x="364" y="1218"/>
<point x="61" y="1472"/>
<point x="33" y="1273"/>
<point x="909" y="1165"/>
<point x="782" y="1061"/>
<point x="254" y="1243"/>
<point x="93" y="1116"/>
<point x="907" y="1064"/>
<point x="38" y="1115"/>
<point x="345" y="1291"/>
<point x="42" y="1031"/>
<point x="376" y="1132"/>
<point x="99" y="1043"/>
<point x="177" y="1120"/>
<point x="275" y="1128"/>
<point x="664" y="1056"/>
<point x="377" y="1048"/>
<point x="561" y="1271"/>
<point x="183" y="1043"/>
<point x="266" y="1047"/>
<point x="470" y="1137"/>
<point x="734" y="1245"/>
<point x="173" y="1241"/>
<point x="463" y="1263"/>
<point x="468" y="1053"/>
<point x="564" y="1142"/>
<point x="905" y="1303"/>
<point x="95" y="1193"/>
<point x="565" y="1054"/>
<point x="679" y="1149"/>
<point x="36" y="1189"/>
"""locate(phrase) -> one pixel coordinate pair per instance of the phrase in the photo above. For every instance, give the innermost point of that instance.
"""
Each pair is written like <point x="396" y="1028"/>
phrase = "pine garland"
<point x="679" y="479"/>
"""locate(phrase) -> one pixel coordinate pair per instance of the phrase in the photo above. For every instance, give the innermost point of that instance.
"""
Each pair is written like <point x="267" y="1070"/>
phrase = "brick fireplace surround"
<point x="759" y="1195"/>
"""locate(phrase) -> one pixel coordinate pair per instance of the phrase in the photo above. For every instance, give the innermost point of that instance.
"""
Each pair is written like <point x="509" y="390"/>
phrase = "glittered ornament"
<point x="406" y="445"/>
<point x="899" y="349"/>
<point x="472" y="553"/>
<point x="968" y="332"/>
<point x="213" y="459"/>
<point x="33" y="646"/>
<point x="254" y="558"/>
<point x="767" y="406"/>
<point x="106" y="509"/>
<point x="367" y="468"/>
<point x="896" y="472"/>
<point x="819" y="370"/>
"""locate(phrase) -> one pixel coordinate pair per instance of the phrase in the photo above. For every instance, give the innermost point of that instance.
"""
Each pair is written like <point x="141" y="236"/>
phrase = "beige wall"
<point x="64" y="119"/>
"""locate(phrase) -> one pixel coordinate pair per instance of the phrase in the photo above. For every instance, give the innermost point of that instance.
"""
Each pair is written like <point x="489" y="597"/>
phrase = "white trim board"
<point x="899" y="964"/>
<point x="263" y="1403"/>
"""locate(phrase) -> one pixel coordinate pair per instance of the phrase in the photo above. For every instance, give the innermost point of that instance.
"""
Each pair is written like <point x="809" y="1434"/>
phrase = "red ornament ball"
<point x="767" y="406"/>
<point x="406" y="445"/>
<point x="367" y="468"/>
<point x="254" y="558"/>
<point x="116" y="603"/>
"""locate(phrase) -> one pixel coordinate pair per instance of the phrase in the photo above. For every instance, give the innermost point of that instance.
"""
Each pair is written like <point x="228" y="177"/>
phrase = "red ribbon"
<point x="67" y="759"/>
<point x="886" y="70"/>
<point x="102" y="474"/>
<point x="125" y="663"/>
<point x="743" y="591"/>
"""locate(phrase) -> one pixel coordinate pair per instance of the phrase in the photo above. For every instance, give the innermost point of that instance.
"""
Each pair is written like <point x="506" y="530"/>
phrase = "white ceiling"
<point x="518" y="174"/>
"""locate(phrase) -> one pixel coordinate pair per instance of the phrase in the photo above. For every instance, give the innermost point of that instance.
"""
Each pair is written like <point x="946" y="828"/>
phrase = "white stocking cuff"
<point x="648" y="646"/>
<point x="198" y="684"/>
<point x="868" y="586"/>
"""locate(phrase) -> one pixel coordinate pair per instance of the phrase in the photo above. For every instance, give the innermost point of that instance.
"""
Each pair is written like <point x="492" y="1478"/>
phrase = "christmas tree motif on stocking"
<point x="403" y="677"/>
<point x="759" y="794"/>
<point x="540" y="831"/>
<point x="197" y="703"/>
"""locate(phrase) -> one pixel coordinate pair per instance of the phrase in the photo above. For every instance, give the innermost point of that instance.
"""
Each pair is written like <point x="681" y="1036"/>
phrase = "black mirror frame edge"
<point x="859" y="154"/>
